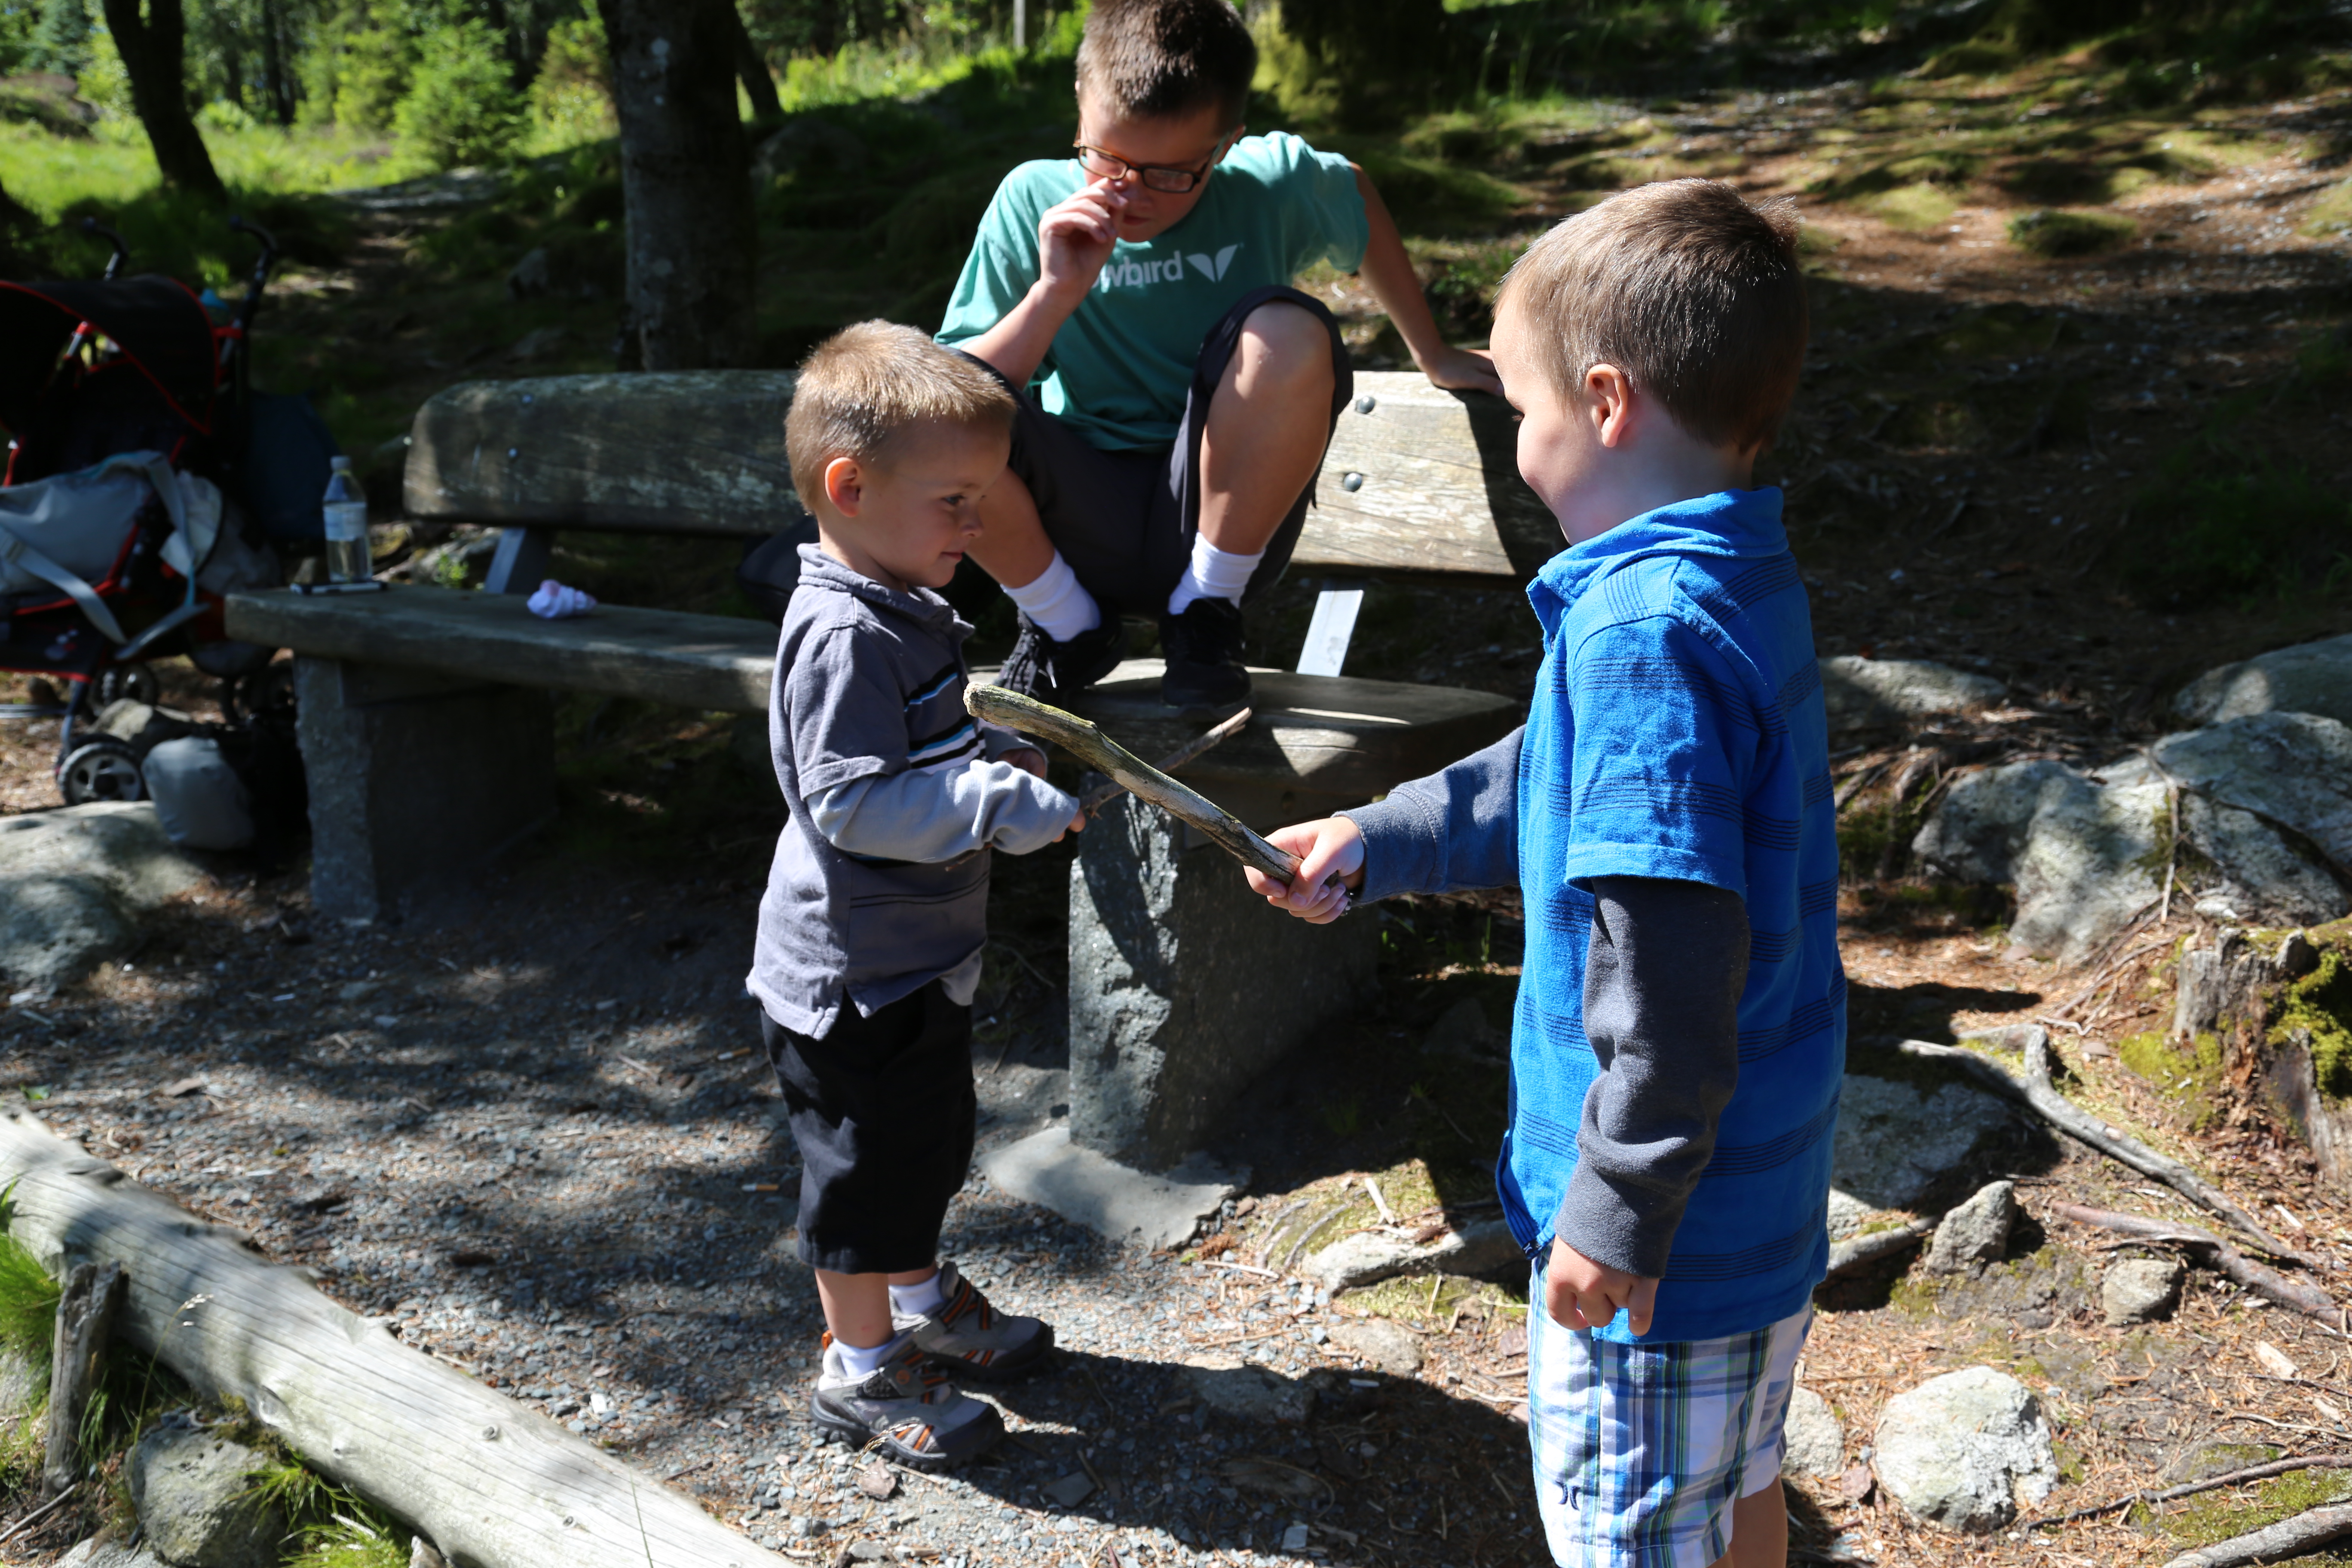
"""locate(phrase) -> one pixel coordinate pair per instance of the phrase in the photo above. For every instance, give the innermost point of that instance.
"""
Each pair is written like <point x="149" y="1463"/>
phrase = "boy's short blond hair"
<point x="862" y="387"/>
<point x="1690" y="291"/>
<point x="1163" y="59"/>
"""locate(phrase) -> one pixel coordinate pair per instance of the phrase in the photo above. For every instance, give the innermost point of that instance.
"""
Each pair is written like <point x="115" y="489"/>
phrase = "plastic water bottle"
<point x="347" y="534"/>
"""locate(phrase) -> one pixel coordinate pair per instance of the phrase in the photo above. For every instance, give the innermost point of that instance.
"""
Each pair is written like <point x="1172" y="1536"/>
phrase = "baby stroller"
<point x="144" y="482"/>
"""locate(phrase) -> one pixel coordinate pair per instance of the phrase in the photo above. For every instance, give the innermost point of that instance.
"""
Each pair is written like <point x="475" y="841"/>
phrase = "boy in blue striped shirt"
<point x="868" y="949"/>
<point x="1680" y="1034"/>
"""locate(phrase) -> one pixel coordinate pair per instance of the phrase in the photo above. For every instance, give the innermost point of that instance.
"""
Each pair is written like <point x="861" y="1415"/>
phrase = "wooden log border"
<point x="489" y="1482"/>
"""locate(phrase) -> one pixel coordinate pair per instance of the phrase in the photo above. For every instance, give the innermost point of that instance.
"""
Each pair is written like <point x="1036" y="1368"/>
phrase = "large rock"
<point x="1185" y="987"/>
<point x="2079" y="848"/>
<point x="193" y="1492"/>
<point x="2310" y="677"/>
<point x="1896" y="1140"/>
<point x="1976" y="1233"/>
<point x="1888" y="693"/>
<point x="2140" y="1291"/>
<point x="1813" y="1442"/>
<point x="1966" y="1450"/>
<point x="2290" y="770"/>
<point x="107" y="1553"/>
<point x="23" y="1387"/>
<point x="1380" y="1344"/>
<point x="74" y="884"/>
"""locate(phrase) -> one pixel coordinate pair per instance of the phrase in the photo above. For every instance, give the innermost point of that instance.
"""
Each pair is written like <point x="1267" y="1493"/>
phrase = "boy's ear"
<point x="1609" y="403"/>
<point x="845" y="485"/>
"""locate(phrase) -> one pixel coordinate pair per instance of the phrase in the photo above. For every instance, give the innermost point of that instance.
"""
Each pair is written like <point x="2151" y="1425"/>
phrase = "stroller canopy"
<point x="161" y="327"/>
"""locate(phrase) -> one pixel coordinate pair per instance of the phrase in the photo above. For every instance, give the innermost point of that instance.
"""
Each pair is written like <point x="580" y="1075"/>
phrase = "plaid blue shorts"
<point x="1640" y="1450"/>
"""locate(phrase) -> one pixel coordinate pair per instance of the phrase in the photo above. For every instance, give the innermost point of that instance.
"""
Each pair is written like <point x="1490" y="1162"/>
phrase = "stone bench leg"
<point x="415" y="779"/>
<point x="1185" y="986"/>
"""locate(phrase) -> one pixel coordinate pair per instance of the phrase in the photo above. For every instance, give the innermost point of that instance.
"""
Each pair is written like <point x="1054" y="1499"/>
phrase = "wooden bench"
<point x="426" y="726"/>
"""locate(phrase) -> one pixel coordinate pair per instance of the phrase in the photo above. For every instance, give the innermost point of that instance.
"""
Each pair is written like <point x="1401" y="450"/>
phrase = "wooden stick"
<point x="1855" y="1252"/>
<point x="38" y="1514"/>
<point x="1095" y="799"/>
<point x="1083" y="740"/>
<point x="2309" y="1299"/>
<point x="2296" y="1537"/>
<point x="2211" y="1483"/>
<point x="85" y="1313"/>
<point x="2036" y="1092"/>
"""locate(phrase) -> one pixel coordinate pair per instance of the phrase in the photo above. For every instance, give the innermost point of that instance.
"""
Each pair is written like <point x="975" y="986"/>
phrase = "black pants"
<point x="884" y="1112"/>
<point x="1125" y="520"/>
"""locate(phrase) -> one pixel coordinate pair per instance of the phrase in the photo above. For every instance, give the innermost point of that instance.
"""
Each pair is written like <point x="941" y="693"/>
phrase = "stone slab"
<point x="1091" y="1189"/>
<point x="1484" y="1246"/>
<point x="2308" y="678"/>
<point x="1883" y="693"/>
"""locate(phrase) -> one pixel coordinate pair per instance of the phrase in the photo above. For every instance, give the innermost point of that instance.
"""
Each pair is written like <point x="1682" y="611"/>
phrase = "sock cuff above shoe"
<point x="1057" y="601"/>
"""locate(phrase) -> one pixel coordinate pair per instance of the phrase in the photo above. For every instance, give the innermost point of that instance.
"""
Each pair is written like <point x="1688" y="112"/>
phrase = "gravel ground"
<point x="539" y="1134"/>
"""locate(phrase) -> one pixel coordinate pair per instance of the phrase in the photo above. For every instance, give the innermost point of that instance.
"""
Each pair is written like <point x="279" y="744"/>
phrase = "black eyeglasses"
<point x="1174" y="182"/>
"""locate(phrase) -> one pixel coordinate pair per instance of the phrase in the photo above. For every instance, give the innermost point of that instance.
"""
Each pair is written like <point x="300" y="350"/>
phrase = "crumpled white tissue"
<point x="556" y="602"/>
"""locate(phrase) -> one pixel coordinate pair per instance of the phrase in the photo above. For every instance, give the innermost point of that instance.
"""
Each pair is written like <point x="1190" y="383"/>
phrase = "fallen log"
<point x="489" y="1482"/>
<point x="2269" y="1283"/>
<point x="2038" y="1094"/>
<point x="1855" y="1252"/>
<point x="85" y="1314"/>
<point x="2305" y="1533"/>
<point x="2211" y="1483"/>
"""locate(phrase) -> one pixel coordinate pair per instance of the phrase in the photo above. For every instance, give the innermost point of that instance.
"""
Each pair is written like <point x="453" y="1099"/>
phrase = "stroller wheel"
<point x="102" y="770"/>
<point x="135" y="681"/>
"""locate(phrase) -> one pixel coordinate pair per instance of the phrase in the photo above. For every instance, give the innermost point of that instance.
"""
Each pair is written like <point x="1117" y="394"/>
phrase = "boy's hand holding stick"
<point x="1084" y="740"/>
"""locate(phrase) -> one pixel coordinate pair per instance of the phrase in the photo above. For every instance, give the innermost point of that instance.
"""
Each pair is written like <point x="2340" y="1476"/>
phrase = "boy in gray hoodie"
<point x="871" y="930"/>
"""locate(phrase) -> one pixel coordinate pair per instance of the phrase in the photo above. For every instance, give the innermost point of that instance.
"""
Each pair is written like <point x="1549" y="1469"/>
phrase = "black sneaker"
<point x="906" y="1408"/>
<point x="968" y="1338"/>
<point x="1204" y="649"/>
<point x="1053" y="671"/>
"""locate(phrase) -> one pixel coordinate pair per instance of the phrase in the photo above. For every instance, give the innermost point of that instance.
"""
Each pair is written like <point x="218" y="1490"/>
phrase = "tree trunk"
<point x="485" y="1479"/>
<point x="153" y="50"/>
<point x="752" y="71"/>
<point x="686" y="183"/>
<point x="15" y="221"/>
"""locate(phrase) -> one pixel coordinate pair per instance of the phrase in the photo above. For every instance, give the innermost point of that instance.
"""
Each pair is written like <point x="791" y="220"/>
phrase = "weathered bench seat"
<point x="427" y="727"/>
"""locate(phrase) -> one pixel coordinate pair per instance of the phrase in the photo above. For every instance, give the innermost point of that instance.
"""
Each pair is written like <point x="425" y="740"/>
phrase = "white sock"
<point x="1214" y="575"/>
<point x="922" y="1298"/>
<point x="1055" y="601"/>
<point x="866" y="1362"/>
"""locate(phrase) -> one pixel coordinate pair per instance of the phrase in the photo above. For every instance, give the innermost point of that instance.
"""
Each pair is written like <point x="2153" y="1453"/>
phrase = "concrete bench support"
<point x="416" y="779"/>
<point x="1184" y="986"/>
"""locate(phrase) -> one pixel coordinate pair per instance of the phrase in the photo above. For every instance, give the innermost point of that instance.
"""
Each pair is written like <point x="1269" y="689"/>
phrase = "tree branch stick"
<point x="85" y="1314"/>
<point x="2036" y="1092"/>
<point x="2296" y="1537"/>
<point x="1855" y="1252"/>
<point x="2309" y="1299"/>
<point x="2211" y="1483"/>
<point x="1083" y="740"/>
<point x="1095" y="799"/>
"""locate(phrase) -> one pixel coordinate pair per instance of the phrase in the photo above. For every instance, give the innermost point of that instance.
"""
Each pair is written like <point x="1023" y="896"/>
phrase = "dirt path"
<point x="527" y="1128"/>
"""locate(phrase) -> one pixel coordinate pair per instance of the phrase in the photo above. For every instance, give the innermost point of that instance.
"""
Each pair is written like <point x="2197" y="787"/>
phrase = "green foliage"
<point x="2219" y="1515"/>
<point x="571" y="97"/>
<point x="371" y="68"/>
<point x="28" y="1307"/>
<point x="2318" y="1008"/>
<point x="2046" y="232"/>
<point x="60" y="43"/>
<point x="105" y="82"/>
<point x="462" y="107"/>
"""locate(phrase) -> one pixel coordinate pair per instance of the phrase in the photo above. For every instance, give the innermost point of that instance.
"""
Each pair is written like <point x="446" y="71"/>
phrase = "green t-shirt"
<point x="1121" y="365"/>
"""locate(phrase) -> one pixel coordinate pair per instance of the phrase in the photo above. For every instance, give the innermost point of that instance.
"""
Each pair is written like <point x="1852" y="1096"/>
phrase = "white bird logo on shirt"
<point x="1214" y="270"/>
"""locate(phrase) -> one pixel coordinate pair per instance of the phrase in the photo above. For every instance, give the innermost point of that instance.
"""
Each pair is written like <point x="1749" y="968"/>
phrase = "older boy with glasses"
<point x="1179" y="389"/>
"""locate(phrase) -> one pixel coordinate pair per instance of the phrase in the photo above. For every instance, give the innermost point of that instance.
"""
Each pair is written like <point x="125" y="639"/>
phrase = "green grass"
<point x="2050" y="233"/>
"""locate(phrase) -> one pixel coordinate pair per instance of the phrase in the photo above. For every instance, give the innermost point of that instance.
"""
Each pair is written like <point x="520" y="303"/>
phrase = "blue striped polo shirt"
<point x="1677" y="730"/>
